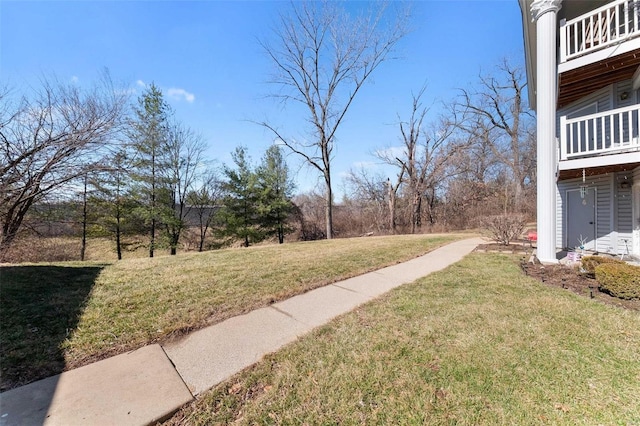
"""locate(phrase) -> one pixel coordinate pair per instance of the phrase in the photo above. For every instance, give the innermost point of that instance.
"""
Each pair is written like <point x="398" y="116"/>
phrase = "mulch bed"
<point x="563" y="276"/>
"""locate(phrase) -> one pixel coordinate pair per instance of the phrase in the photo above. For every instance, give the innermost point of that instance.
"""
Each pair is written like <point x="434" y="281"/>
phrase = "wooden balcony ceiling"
<point x="592" y="171"/>
<point x="577" y="83"/>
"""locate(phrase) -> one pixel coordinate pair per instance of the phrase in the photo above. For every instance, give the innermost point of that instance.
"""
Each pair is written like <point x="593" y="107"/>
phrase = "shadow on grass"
<point x="39" y="308"/>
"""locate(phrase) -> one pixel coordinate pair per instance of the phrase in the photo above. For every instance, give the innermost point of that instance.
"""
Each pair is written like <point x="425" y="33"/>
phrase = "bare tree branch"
<point x="51" y="137"/>
<point x="500" y="120"/>
<point x="322" y="58"/>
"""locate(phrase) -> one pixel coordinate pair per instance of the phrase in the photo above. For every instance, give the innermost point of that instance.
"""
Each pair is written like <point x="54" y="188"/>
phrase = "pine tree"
<point x="241" y="203"/>
<point x="112" y="198"/>
<point x="148" y="137"/>
<point x="276" y="190"/>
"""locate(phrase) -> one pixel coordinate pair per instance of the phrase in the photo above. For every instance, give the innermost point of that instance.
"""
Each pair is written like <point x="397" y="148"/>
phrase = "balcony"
<point x="599" y="29"/>
<point x="601" y="134"/>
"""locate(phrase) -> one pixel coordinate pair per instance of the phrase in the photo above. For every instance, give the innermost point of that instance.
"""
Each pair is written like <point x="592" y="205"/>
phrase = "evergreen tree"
<point x="113" y="199"/>
<point x="241" y="203"/>
<point x="148" y="136"/>
<point x="276" y="190"/>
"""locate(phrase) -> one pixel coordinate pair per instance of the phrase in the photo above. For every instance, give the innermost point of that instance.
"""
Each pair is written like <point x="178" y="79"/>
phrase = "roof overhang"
<point x="570" y="169"/>
<point x="575" y="83"/>
<point x="569" y="10"/>
<point x="529" y="36"/>
<point x="594" y="171"/>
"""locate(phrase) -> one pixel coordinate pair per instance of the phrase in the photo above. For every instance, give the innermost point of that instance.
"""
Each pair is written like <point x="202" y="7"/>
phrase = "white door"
<point x="581" y="219"/>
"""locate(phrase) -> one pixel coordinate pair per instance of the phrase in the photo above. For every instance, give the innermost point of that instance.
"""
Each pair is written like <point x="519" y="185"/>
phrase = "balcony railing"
<point x="600" y="28"/>
<point x="608" y="132"/>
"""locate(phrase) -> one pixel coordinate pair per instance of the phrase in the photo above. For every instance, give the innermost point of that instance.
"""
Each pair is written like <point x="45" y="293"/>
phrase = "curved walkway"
<point x="147" y="385"/>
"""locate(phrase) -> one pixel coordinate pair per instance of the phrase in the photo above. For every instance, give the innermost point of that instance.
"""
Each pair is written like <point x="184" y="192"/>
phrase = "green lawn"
<point x="476" y="344"/>
<point x="63" y="315"/>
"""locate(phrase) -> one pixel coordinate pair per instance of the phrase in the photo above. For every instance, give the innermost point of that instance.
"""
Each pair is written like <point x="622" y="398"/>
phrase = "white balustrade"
<point x="607" y="132"/>
<point x="610" y="24"/>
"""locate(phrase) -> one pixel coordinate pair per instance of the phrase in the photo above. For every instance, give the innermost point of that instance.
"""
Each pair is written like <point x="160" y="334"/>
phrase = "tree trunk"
<point x="392" y="209"/>
<point x="203" y="230"/>
<point x="83" y="247"/>
<point x="152" y="237"/>
<point x="431" y="204"/>
<point x="201" y="245"/>
<point x="517" y="195"/>
<point x="118" y="244"/>
<point x="418" y="211"/>
<point x="118" y="215"/>
<point x="415" y="209"/>
<point x="174" y="239"/>
<point x="11" y="225"/>
<point x="328" y="205"/>
<point x="280" y="228"/>
<point x="153" y="201"/>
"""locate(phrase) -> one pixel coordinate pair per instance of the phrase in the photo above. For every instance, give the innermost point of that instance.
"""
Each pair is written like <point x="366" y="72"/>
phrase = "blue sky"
<point x="205" y="57"/>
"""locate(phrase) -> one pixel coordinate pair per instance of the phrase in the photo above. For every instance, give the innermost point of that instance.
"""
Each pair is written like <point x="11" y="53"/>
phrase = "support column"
<point x="545" y="14"/>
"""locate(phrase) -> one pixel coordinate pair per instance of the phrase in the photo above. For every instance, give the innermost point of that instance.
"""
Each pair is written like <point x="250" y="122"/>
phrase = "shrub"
<point x="504" y="228"/>
<point x="619" y="280"/>
<point x="589" y="263"/>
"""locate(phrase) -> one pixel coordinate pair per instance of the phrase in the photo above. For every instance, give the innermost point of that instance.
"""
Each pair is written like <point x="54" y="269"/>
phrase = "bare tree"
<point x="49" y="138"/>
<point x="184" y="160"/>
<point x="322" y="58"/>
<point x="502" y="121"/>
<point x="423" y="164"/>
<point x="438" y="154"/>
<point x="368" y="192"/>
<point x="310" y="215"/>
<point x="471" y="191"/>
<point x="411" y="132"/>
<point x="392" y="199"/>
<point x="204" y="201"/>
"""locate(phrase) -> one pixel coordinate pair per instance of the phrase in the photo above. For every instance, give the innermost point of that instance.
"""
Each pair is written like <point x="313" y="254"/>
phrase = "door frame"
<point x="595" y="218"/>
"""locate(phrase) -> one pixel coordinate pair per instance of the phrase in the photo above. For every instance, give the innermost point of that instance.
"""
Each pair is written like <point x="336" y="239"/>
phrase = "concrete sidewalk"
<point x="149" y="384"/>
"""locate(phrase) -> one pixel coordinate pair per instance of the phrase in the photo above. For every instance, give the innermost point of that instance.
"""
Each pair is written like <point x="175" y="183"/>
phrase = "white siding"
<point x="604" y="218"/>
<point x="603" y="99"/>
<point x="614" y="211"/>
<point x="617" y="95"/>
<point x="614" y="203"/>
<point x="624" y="89"/>
<point x="560" y="235"/>
<point x="636" y="212"/>
<point x="624" y="216"/>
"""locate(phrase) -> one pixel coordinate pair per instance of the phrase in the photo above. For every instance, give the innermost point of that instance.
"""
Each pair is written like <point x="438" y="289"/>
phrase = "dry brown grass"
<point x="128" y="304"/>
<point x="476" y="344"/>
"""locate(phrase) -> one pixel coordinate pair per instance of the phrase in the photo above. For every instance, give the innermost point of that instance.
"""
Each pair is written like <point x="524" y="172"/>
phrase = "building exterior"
<point x="583" y="73"/>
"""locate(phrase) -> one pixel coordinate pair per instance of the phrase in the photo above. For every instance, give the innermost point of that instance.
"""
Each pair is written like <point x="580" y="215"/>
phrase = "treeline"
<point x="160" y="181"/>
<point x="88" y="163"/>
<point x="476" y="158"/>
<point x="126" y="168"/>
